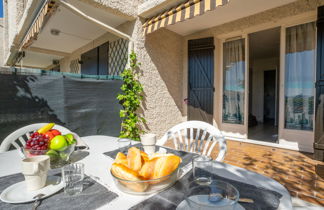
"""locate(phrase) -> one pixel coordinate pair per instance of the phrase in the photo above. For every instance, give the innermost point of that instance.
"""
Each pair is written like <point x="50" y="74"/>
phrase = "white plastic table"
<point x="98" y="165"/>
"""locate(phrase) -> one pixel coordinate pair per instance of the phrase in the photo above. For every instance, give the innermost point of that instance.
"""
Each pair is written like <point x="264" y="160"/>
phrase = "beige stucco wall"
<point x="161" y="57"/>
<point x="20" y="7"/>
<point x="162" y="79"/>
<point x="125" y="8"/>
<point x="2" y="34"/>
<point x="12" y="22"/>
<point x="18" y="16"/>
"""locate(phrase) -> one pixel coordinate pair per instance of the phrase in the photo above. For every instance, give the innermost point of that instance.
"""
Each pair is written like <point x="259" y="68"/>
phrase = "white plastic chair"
<point x="19" y="137"/>
<point x="196" y="136"/>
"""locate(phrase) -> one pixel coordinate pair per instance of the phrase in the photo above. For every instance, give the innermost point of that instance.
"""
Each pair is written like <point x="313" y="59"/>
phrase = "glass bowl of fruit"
<point x="51" y="142"/>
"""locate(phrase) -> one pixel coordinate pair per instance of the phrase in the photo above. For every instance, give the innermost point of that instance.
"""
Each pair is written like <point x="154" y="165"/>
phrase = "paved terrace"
<point x="297" y="171"/>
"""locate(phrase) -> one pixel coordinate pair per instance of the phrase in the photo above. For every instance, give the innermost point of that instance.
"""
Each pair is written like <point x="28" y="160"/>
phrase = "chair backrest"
<point x="196" y="136"/>
<point x="19" y="137"/>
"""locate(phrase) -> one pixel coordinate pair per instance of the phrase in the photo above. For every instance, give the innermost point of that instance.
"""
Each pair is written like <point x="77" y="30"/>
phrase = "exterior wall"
<point x="162" y="80"/>
<point x="20" y="7"/>
<point x="18" y="15"/>
<point x="2" y="34"/>
<point x="5" y="42"/>
<point x="12" y="22"/>
<point x="123" y="8"/>
<point x="160" y="55"/>
<point x="149" y="8"/>
<point x="292" y="14"/>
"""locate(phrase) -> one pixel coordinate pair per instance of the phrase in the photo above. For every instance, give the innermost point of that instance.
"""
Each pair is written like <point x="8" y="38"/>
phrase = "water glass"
<point x="124" y="144"/>
<point x="73" y="175"/>
<point x="201" y="167"/>
<point x="217" y="195"/>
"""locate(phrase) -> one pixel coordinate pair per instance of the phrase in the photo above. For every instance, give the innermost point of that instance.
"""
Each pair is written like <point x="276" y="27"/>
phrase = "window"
<point x="109" y="58"/>
<point x="95" y="61"/>
<point x="233" y="81"/>
<point x="299" y="76"/>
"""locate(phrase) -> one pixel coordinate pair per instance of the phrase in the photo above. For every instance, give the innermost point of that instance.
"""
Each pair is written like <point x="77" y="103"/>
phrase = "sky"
<point x="1" y="9"/>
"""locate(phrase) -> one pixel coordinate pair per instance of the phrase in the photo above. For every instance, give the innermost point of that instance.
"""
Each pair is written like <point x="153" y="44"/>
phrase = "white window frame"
<point x="300" y="136"/>
<point x="240" y="129"/>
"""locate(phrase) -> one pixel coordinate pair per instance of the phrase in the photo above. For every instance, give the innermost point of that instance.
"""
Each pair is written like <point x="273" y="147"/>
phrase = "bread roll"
<point x="121" y="158"/>
<point x="148" y="168"/>
<point x="156" y="155"/>
<point x="144" y="156"/>
<point x="165" y="165"/>
<point x="134" y="159"/>
<point x="123" y="172"/>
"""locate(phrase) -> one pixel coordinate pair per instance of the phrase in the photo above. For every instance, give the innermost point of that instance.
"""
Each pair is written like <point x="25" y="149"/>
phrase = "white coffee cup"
<point x="148" y="141"/>
<point x="35" y="171"/>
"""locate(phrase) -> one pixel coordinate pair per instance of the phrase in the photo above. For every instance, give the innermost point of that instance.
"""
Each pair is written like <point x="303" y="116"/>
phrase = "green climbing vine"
<point x="131" y="99"/>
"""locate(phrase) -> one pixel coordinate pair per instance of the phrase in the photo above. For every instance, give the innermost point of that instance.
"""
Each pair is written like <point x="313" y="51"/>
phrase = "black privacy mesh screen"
<point x="87" y="106"/>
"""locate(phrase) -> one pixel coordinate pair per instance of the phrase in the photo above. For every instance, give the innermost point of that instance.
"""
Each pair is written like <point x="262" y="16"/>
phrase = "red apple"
<point x="49" y="135"/>
<point x="55" y="132"/>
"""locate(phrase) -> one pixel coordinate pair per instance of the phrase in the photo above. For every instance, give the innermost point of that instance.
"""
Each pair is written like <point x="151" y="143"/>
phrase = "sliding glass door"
<point x="233" y="81"/>
<point x="300" y="76"/>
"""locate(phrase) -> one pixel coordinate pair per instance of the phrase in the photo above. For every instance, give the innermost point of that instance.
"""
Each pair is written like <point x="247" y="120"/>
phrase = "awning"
<point x="43" y="15"/>
<point x="180" y="13"/>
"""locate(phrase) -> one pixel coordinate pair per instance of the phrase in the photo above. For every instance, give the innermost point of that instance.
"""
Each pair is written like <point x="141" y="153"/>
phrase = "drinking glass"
<point x="124" y="144"/>
<point x="217" y="195"/>
<point x="73" y="175"/>
<point x="201" y="167"/>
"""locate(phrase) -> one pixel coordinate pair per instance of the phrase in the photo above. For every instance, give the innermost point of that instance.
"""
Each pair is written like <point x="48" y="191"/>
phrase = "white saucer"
<point x="17" y="193"/>
<point x="185" y="206"/>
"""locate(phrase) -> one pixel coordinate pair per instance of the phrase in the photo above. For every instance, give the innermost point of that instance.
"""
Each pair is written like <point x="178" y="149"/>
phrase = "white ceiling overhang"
<point x="72" y="33"/>
<point x="234" y="10"/>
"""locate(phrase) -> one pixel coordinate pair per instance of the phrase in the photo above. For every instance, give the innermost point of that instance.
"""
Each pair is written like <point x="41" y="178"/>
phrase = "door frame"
<point x="218" y="79"/>
<point x="283" y="134"/>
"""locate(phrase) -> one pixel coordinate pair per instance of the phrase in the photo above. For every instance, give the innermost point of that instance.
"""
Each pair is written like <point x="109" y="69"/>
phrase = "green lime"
<point x="64" y="156"/>
<point x="73" y="141"/>
<point x="70" y="138"/>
